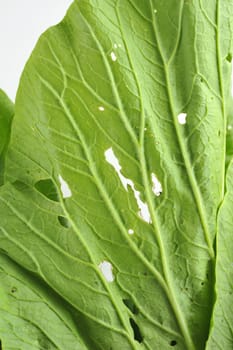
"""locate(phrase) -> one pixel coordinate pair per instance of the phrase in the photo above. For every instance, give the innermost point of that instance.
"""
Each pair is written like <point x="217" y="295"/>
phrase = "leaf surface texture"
<point x="112" y="198"/>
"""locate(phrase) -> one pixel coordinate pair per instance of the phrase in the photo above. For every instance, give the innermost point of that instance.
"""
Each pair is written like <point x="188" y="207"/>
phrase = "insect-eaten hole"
<point x="136" y="331"/>
<point x="173" y="343"/>
<point x="13" y="290"/>
<point x="107" y="270"/>
<point x="48" y="189"/>
<point x="182" y="118"/>
<point x="202" y="283"/>
<point x="63" y="221"/>
<point x="131" y="306"/>
<point x="229" y="57"/>
<point x="21" y="186"/>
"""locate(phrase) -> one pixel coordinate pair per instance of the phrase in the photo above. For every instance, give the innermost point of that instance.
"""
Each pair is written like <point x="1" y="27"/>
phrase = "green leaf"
<point x="222" y="325"/>
<point x="229" y="135"/>
<point x="33" y="317"/>
<point x="116" y="168"/>
<point x="6" y="115"/>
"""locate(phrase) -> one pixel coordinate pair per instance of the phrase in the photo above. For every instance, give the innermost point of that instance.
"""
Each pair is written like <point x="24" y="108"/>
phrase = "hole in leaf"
<point x="48" y="189"/>
<point x="202" y="283"/>
<point x="144" y="212"/>
<point x="131" y="306"/>
<point x="0" y="345"/>
<point x="182" y="118"/>
<point x="173" y="342"/>
<point x="137" y="333"/>
<point x="13" y="290"/>
<point x="157" y="187"/>
<point x="229" y="57"/>
<point x="64" y="221"/>
<point x="19" y="185"/>
<point x="3" y="251"/>
<point x="43" y="343"/>
<point x="106" y="269"/>
<point x="65" y="189"/>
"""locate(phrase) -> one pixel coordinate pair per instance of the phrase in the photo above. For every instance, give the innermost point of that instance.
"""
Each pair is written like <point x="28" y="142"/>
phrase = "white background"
<point x="21" y="24"/>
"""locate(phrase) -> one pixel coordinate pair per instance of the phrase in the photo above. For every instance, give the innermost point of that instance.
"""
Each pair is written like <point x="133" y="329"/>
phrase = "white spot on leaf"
<point x="113" y="56"/>
<point x="155" y="11"/>
<point x="101" y="108"/>
<point x="182" y="118"/>
<point x="157" y="187"/>
<point x="229" y="127"/>
<point x="106" y="269"/>
<point x="144" y="212"/>
<point x="130" y="231"/>
<point x="116" y="46"/>
<point x="66" y="192"/>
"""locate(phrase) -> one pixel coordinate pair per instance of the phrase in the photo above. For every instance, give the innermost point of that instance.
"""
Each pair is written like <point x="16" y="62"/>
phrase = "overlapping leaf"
<point x="221" y="333"/>
<point x="33" y="317"/>
<point x="6" y="114"/>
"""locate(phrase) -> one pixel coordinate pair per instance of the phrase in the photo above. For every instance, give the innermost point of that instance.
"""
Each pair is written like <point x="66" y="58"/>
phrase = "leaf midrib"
<point x="92" y="264"/>
<point x="148" y="192"/>
<point x="184" y="153"/>
<point x="166" y="285"/>
<point x="222" y="94"/>
<point x="145" y="175"/>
